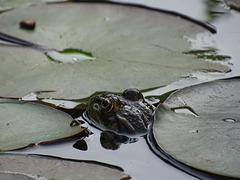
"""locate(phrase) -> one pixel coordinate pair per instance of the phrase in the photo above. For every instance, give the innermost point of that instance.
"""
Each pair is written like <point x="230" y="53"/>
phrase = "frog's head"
<point x="116" y="111"/>
<point x="102" y="108"/>
<point x="100" y="104"/>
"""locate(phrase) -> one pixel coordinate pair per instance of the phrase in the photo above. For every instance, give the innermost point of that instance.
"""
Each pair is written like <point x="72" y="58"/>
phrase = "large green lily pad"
<point x="40" y="167"/>
<point x="131" y="46"/>
<point x="23" y="124"/>
<point x="204" y="131"/>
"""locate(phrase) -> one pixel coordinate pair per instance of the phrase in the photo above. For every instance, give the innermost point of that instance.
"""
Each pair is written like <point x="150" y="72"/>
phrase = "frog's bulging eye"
<point x="106" y="105"/>
<point x="132" y="94"/>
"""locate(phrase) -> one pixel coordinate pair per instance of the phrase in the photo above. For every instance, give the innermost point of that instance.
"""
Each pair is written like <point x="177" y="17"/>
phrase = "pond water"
<point x="137" y="159"/>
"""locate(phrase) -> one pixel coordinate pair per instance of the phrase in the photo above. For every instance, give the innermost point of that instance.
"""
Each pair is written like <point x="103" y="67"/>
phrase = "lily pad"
<point x="132" y="47"/>
<point x="23" y="124"/>
<point x="203" y="132"/>
<point x="40" y="167"/>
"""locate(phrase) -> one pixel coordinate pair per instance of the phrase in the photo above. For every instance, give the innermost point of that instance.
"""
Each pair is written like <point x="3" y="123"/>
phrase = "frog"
<point x="125" y="113"/>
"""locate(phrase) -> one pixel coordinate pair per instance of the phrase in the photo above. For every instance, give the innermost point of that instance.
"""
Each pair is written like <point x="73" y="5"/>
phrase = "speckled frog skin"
<point x="126" y="113"/>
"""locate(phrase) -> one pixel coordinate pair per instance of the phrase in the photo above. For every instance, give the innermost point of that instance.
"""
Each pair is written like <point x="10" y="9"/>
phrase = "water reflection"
<point x="81" y="145"/>
<point x="108" y="139"/>
<point x="113" y="141"/>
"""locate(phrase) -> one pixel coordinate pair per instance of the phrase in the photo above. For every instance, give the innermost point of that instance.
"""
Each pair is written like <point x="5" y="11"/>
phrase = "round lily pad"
<point x="130" y="46"/>
<point x="23" y="124"/>
<point x="201" y="129"/>
<point x="40" y="167"/>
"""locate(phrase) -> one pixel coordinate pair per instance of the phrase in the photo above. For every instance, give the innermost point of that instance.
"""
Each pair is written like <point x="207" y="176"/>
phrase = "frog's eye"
<point x="132" y="94"/>
<point x="106" y="105"/>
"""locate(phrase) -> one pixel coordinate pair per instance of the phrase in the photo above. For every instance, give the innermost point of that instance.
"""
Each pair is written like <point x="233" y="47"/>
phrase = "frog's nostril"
<point x="96" y="106"/>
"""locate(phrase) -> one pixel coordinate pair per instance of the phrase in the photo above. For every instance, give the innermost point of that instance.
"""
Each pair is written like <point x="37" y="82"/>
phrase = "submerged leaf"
<point x="40" y="167"/>
<point x="23" y="124"/>
<point x="133" y="47"/>
<point x="203" y="132"/>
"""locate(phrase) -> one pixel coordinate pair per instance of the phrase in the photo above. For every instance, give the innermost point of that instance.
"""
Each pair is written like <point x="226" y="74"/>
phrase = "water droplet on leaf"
<point x="229" y="120"/>
<point x="69" y="56"/>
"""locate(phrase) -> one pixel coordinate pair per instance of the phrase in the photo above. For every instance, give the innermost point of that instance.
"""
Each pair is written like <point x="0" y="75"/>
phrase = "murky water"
<point x="136" y="158"/>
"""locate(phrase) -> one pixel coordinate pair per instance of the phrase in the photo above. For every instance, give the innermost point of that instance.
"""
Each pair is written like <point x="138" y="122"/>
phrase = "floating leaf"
<point x="132" y="47"/>
<point x="23" y="124"/>
<point x="203" y="132"/>
<point x="40" y="167"/>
